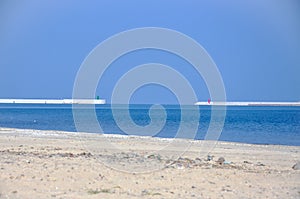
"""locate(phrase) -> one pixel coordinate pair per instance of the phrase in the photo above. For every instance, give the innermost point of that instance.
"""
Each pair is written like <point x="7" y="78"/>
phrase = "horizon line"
<point x="103" y="101"/>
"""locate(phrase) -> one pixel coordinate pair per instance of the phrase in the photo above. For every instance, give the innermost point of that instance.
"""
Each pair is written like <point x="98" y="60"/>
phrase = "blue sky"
<point x="254" y="43"/>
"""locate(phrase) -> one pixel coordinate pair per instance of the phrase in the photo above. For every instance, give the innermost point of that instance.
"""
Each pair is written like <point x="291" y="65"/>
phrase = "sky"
<point x="254" y="43"/>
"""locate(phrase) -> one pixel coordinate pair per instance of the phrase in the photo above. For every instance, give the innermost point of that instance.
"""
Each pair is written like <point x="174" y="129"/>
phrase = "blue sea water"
<point x="252" y="124"/>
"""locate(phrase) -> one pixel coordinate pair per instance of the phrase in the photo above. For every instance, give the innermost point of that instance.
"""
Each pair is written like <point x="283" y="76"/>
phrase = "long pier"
<point x="247" y="103"/>
<point x="52" y="101"/>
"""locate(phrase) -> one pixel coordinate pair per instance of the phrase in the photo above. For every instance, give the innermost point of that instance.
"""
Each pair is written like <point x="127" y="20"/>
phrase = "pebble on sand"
<point x="296" y="166"/>
<point x="221" y="160"/>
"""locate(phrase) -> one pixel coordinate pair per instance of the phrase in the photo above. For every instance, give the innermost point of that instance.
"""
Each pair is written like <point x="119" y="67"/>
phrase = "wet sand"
<point x="52" y="164"/>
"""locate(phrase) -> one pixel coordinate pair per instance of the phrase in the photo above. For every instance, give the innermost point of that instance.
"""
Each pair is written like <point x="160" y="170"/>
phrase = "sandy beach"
<point x="53" y="164"/>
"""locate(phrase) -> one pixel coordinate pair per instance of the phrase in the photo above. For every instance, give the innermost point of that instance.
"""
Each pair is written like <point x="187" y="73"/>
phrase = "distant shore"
<point x="47" y="164"/>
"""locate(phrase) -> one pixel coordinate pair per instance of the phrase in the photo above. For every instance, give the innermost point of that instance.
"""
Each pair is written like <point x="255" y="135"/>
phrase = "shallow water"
<point x="254" y="124"/>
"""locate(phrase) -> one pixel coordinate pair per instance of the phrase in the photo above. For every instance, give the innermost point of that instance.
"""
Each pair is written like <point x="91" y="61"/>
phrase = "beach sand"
<point x="52" y="164"/>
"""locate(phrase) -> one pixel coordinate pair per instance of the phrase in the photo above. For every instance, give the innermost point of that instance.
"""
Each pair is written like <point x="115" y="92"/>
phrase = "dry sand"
<point x="51" y="164"/>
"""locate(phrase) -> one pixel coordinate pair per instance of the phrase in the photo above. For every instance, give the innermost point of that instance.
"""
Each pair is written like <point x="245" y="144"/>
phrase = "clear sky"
<point x="254" y="43"/>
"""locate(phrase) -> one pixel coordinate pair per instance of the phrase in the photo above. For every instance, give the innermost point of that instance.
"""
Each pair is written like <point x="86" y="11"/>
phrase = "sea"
<point x="276" y="125"/>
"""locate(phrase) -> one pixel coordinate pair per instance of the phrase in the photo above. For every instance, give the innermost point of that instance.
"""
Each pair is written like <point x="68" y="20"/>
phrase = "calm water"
<point x="260" y="125"/>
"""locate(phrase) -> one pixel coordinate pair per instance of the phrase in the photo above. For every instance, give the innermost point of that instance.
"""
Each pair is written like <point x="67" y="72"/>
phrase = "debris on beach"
<point x="221" y="160"/>
<point x="296" y="166"/>
<point x="210" y="157"/>
<point x="146" y="192"/>
<point x="183" y="163"/>
<point x="260" y="164"/>
<point x="154" y="156"/>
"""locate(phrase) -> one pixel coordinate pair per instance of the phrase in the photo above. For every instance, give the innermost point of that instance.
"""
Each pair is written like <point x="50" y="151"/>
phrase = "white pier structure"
<point x="52" y="101"/>
<point x="247" y="103"/>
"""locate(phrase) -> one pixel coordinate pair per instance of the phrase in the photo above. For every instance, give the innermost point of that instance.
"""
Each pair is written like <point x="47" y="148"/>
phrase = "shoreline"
<point x="47" y="164"/>
<point x="61" y="133"/>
